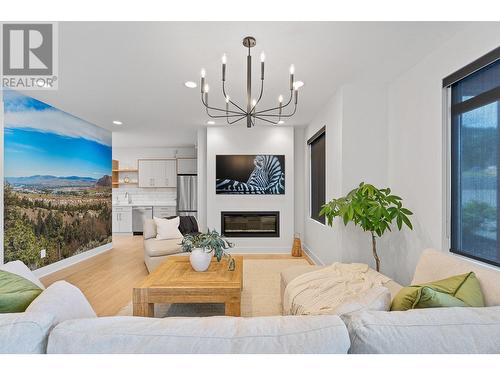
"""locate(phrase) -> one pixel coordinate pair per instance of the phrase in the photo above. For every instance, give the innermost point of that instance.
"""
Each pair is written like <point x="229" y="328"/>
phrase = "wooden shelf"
<point x="125" y="170"/>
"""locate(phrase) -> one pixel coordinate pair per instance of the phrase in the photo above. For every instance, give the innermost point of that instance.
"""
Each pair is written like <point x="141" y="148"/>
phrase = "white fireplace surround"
<point x="243" y="141"/>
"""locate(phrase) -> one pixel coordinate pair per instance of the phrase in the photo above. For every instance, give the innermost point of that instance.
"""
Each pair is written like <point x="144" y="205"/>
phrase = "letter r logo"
<point x="27" y="49"/>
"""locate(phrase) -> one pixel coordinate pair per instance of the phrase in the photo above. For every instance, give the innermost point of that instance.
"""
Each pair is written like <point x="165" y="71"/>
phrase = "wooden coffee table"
<point x="175" y="281"/>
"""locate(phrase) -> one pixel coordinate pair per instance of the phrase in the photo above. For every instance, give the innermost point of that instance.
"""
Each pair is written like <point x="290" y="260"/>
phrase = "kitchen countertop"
<point x="147" y="204"/>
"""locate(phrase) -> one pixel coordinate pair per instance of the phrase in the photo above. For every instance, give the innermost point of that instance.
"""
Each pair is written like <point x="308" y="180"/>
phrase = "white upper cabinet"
<point x="187" y="166"/>
<point x="157" y="173"/>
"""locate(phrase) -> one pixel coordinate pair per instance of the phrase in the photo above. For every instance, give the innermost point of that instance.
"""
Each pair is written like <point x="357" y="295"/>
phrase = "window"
<point x="318" y="173"/>
<point x="475" y="155"/>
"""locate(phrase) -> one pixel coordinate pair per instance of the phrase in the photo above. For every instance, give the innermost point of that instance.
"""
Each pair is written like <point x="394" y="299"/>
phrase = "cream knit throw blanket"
<point x="322" y="291"/>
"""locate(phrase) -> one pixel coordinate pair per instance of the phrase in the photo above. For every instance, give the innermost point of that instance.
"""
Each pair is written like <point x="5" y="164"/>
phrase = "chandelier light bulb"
<point x="224" y="59"/>
<point x="262" y="57"/>
<point x="206" y="88"/>
<point x="203" y="73"/>
<point x="292" y="69"/>
<point x="254" y="103"/>
<point x="227" y="99"/>
<point x="280" y="98"/>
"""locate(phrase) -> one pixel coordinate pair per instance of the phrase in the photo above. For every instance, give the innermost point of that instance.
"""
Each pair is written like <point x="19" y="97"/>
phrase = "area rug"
<point x="260" y="295"/>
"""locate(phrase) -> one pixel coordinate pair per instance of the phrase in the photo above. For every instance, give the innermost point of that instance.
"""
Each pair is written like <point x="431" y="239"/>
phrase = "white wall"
<point x="321" y="242"/>
<point x="299" y="201"/>
<point x="201" y="148"/>
<point x="392" y="135"/>
<point x="356" y="150"/>
<point x="258" y="140"/>
<point x="416" y="168"/>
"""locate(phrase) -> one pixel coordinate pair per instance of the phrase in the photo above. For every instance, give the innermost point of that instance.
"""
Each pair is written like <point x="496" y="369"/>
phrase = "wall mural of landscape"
<point x="57" y="188"/>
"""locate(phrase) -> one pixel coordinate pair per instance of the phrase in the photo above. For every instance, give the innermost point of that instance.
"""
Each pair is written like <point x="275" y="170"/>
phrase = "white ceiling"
<point x="135" y="71"/>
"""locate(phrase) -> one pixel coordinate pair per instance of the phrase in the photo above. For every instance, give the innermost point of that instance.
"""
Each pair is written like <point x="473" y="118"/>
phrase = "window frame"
<point x="320" y="133"/>
<point x="449" y="110"/>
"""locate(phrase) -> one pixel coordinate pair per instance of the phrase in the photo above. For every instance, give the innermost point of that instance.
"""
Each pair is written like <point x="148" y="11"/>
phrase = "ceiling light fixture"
<point x="190" y="84"/>
<point x="234" y="112"/>
<point x="210" y="122"/>
<point x="116" y="122"/>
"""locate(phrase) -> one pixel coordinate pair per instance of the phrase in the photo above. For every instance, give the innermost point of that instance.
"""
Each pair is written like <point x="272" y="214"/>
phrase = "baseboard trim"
<point x="57" y="266"/>
<point x="311" y="255"/>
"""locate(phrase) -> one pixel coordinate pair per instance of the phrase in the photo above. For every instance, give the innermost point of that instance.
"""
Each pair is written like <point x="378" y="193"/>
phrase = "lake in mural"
<point x="57" y="188"/>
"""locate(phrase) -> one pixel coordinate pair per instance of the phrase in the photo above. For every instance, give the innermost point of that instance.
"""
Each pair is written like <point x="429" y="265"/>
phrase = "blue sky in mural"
<point x="42" y="140"/>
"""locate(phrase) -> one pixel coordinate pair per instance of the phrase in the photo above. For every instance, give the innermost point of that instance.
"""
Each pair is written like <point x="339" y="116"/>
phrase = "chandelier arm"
<point x="283" y="115"/>
<point x="230" y="101"/>
<point x="266" y="120"/>
<point x="276" y="108"/>
<point x="238" y="119"/>
<point x="222" y="116"/>
<point x="260" y="95"/>
<point x="219" y="109"/>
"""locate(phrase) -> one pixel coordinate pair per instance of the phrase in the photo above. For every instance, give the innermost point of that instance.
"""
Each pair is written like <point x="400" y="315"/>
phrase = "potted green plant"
<point x="372" y="209"/>
<point x="203" y="246"/>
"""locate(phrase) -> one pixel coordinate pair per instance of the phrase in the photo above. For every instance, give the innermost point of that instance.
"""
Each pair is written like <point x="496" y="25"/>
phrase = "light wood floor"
<point x="107" y="279"/>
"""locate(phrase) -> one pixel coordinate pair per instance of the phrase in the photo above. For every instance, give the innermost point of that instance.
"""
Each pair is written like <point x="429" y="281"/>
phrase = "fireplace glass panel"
<point x="250" y="224"/>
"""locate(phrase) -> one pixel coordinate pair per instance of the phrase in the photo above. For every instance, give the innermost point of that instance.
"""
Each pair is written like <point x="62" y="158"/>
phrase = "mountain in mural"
<point x="52" y="181"/>
<point x="104" y="181"/>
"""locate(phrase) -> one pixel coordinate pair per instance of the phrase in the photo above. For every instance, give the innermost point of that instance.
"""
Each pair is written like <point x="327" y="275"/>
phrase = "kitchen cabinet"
<point x="164" y="211"/>
<point x="187" y="166"/>
<point x="122" y="219"/>
<point x="157" y="173"/>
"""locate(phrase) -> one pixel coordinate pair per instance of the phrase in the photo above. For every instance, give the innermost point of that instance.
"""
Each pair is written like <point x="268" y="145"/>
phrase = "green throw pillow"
<point x="16" y="292"/>
<point x="456" y="291"/>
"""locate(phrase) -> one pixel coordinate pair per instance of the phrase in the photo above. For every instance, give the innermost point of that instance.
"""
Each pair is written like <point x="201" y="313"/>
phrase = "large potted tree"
<point x="372" y="209"/>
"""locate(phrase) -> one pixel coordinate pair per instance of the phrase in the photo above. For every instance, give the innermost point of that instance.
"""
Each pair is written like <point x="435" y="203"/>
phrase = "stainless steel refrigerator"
<point x="187" y="195"/>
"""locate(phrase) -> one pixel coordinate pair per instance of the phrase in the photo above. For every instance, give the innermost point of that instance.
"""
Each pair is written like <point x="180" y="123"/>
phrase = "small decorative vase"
<point x="200" y="259"/>
<point x="297" y="246"/>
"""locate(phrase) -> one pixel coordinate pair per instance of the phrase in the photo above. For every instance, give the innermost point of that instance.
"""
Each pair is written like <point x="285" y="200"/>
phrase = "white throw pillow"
<point x="63" y="300"/>
<point x="167" y="229"/>
<point x="374" y="299"/>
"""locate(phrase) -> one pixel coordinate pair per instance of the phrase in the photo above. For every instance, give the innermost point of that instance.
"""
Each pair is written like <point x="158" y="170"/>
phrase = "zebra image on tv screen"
<point x="250" y="174"/>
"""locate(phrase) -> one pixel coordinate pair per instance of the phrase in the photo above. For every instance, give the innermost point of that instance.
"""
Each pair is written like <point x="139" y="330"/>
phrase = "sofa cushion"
<point x="452" y="330"/>
<point x="19" y="268"/>
<point x="16" y="292"/>
<point x="25" y="333"/>
<point x="436" y="265"/>
<point x="221" y="335"/>
<point x="456" y="291"/>
<point x="64" y="300"/>
<point x="156" y="248"/>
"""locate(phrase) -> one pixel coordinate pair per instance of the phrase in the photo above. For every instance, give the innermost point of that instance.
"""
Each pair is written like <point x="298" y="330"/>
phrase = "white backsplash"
<point x="145" y="196"/>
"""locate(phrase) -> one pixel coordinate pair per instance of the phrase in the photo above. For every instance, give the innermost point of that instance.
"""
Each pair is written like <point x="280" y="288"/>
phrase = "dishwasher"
<point x="139" y="214"/>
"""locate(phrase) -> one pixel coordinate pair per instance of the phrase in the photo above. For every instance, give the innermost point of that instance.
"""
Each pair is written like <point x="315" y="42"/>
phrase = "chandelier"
<point x="235" y="112"/>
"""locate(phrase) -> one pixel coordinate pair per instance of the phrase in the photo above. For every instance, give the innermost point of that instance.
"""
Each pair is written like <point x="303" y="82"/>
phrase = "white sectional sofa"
<point x="72" y="327"/>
